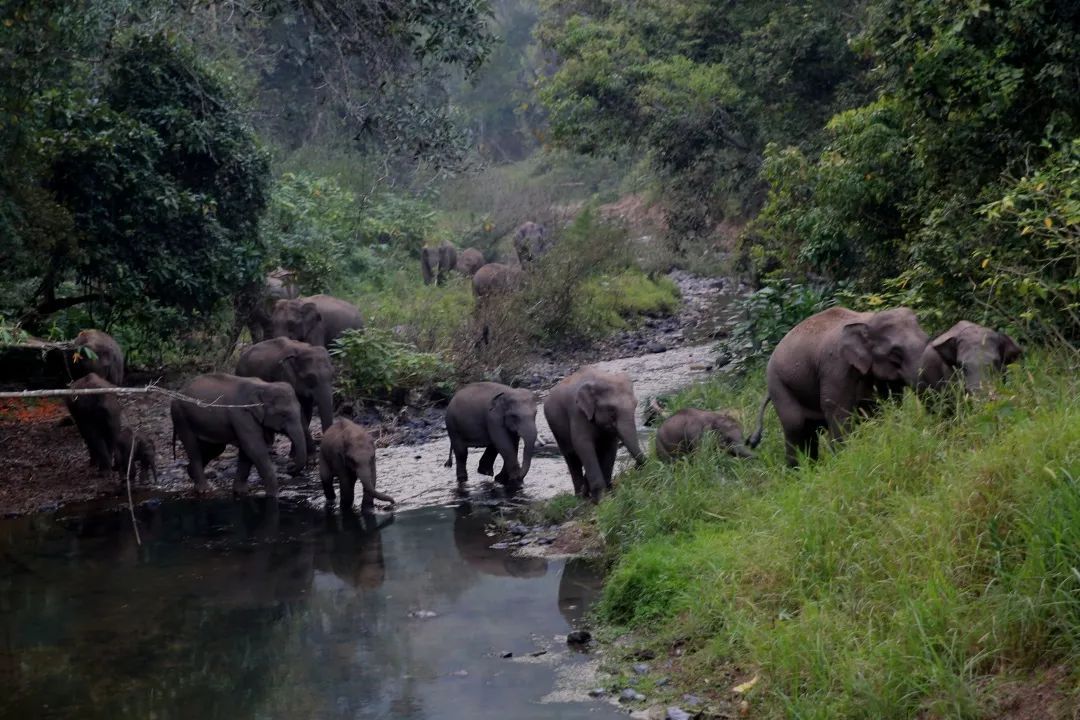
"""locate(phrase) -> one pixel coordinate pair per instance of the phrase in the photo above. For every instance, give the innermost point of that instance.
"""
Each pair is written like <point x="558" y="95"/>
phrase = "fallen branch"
<point x="148" y="389"/>
<point x="127" y="480"/>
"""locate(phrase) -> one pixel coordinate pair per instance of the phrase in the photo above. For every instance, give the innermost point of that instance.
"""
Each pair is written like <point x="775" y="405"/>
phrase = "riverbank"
<point x="926" y="569"/>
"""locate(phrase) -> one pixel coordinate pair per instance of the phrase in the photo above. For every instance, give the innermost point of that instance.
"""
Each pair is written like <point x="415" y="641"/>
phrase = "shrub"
<point x="766" y="315"/>
<point x="612" y="302"/>
<point x="375" y="365"/>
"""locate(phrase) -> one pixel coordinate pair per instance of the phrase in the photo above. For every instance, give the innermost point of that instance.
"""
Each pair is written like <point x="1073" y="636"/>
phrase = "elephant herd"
<point x="531" y="242"/>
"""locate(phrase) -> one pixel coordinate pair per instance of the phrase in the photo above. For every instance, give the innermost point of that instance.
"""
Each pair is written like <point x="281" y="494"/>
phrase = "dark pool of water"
<point x="256" y="610"/>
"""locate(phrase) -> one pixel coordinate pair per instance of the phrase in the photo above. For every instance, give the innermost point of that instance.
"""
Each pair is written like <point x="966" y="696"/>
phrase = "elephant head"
<point x="514" y="413"/>
<point x="298" y="320"/>
<point x="609" y="404"/>
<point x="888" y="346"/>
<point x="968" y="348"/>
<point x="429" y="263"/>
<point x="275" y="407"/>
<point x="531" y="241"/>
<point x="312" y="375"/>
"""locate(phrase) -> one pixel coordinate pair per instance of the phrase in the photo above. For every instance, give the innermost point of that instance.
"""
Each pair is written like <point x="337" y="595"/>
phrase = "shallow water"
<point x="414" y="474"/>
<point x="251" y="609"/>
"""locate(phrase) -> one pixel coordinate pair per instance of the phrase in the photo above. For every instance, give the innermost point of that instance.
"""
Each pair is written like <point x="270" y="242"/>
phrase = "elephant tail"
<point x="173" y="448"/>
<point x="755" y="439"/>
<point x="450" y="460"/>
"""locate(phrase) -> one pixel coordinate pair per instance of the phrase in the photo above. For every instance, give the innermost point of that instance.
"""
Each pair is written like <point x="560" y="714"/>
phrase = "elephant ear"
<point x="585" y="399"/>
<point x="309" y="312"/>
<point x="1010" y="351"/>
<point x="498" y="403"/>
<point x="947" y="345"/>
<point x="855" y="347"/>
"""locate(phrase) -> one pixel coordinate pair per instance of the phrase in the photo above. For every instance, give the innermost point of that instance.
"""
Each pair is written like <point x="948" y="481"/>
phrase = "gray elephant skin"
<point x="469" y="261"/>
<point x="682" y="433"/>
<point x="316" y="320"/>
<point x="277" y="286"/>
<point x="98" y="419"/>
<point x="968" y="351"/>
<point x="437" y="262"/>
<point x="135" y="450"/>
<point x="257" y="411"/>
<point x="495" y="278"/>
<point x="348" y="454"/>
<point x="834" y="364"/>
<point x="307" y="368"/>
<point x="590" y="413"/>
<point x="495" y="417"/>
<point x="109" y="360"/>
<point x="531" y="242"/>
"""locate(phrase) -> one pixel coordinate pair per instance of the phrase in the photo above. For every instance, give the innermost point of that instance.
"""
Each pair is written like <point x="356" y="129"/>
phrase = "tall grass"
<point x="931" y="556"/>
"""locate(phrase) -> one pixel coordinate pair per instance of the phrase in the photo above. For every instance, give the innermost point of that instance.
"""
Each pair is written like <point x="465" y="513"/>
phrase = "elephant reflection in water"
<point x="579" y="587"/>
<point x="474" y="547"/>
<point x="352" y="548"/>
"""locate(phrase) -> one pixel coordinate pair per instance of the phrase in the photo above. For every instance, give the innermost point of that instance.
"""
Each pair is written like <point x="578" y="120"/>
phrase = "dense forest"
<point x="159" y="159"/>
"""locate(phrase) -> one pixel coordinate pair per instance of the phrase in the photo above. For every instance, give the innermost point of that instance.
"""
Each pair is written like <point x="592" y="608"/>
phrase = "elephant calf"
<point x="437" y="262"/>
<point x="531" y="242"/>
<point x="98" y="419"/>
<point x="136" y="449"/>
<point x="469" y="261"/>
<point x="494" y="417"/>
<point x="590" y="412"/>
<point x="967" y="350"/>
<point x="348" y="454"/>
<point x="681" y="433"/>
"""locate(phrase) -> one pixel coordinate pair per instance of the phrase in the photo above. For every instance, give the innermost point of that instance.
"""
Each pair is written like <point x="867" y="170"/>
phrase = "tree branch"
<point x="149" y="389"/>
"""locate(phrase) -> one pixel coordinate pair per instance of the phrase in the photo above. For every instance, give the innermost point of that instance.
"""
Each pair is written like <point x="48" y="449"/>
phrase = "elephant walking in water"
<point x="348" y="454"/>
<point x="495" y="417"/>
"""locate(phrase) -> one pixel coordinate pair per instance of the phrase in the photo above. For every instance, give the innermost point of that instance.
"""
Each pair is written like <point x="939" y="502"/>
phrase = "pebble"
<point x="597" y="692"/>
<point x="630" y="695"/>
<point x="506" y="655"/>
<point x="501" y="546"/>
<point x="641" y="668"/>
<point x="578" y="637"/>
<point x="538" y="653"/>
<point x="518" y="529"/>
<point x="655" y="347"/>
<point x="460" y="673"/>
<point x="676" y="713"/>
<point x="545" y="541"/>
<point x="423" y="614"/>
<point x="691" y="700"/>
<point x="661" y="682"/>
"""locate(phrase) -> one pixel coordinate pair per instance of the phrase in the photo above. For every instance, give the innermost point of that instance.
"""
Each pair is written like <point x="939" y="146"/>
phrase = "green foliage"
<point x="886" y="580"/>
<point x="610" y="302"/>
<point x="431" y="317"/>
<point x="403" y="222"/>
<point x="377" y="365"/>
<point x="766" y="315"/>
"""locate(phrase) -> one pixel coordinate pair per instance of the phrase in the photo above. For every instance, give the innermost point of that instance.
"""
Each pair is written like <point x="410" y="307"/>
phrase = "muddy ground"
<point x="43" y="462"/>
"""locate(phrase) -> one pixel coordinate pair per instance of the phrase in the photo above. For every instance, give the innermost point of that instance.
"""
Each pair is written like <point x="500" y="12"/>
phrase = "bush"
<point x="766" y="315"/>
<point x="375" y="365"/>
<point x="611" y="302"/>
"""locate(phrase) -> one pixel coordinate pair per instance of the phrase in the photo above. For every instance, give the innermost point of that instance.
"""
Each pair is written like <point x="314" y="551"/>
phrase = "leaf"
<point x="1048" y="222"/>
<point x="746" y="686"/>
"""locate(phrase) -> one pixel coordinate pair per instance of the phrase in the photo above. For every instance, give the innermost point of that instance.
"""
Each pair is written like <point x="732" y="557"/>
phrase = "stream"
<point x="261" y="609"/>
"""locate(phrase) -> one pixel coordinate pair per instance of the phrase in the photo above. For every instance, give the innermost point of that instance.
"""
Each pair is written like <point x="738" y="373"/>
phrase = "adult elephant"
<point x="589" y="413"/>
<point x="98" y="418"/>
<point x="682" y="433"/>
<point x="257" y="305"/>
<point x="495" y="417"/>
<point x="307" y="368"/>
<point x="108" y="360"/>
<point x="316" y="320"/>
<point x="240" y="411"/>
<point x="833" y="364"/>
<point x="531" y="242"/>
<point x="967" y="350"/>
<point x="437" y="262"/>
<point x="348" y="454"/>
<point x="495" y="278"/>
<point x="469" y="261"/>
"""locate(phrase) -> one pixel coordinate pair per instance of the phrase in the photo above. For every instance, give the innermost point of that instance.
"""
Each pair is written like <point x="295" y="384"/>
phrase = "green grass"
<point x="611" y="302"/>
<point x="931" y="557"/>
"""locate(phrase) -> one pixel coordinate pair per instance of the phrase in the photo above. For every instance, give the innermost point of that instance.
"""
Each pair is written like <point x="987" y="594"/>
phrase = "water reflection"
<point x="263" y="609"/>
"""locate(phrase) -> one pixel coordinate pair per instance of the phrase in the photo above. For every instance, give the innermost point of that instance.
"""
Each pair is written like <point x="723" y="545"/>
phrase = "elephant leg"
<point x="487" y="461"/>
<point x="594" y="475"/>
<point x="606" y="450"/>
<point x="252" y="444"/>
<point x="509" y="454"/>
<point x="461" y="456"/>
<point x="348" y="490"/>
<point x="799" y="430"/>
<point x="326" y="476"/>
<point x="305" y="420"/>
<point x="573" y="464"/>
<point x="243" y="470"/>
<point x="194" y="450"/>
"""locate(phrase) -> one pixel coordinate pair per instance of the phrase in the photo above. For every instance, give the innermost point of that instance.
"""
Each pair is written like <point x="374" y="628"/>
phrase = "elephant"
<point x="681" y="433"/>
<point x="531" y="242"/>
<point x="144" y="457"/>
<point x="834" y="364"/>
<point x="98" y="419"/>
<point x="307" y="368"/>
<point x="469" y="261"/>
<point x="437" y="262"/>
<point x="109" y="360"/>
<point x="278" y="285"/>
<point x="254" y="410"/>
<point x="969" y="350"/>
<point x="495" y="278"/>
<point x="348" y="453"/>
<point x="494" y="417"/>
<point x="316" y="320"/>
<point x="589" y="413"/>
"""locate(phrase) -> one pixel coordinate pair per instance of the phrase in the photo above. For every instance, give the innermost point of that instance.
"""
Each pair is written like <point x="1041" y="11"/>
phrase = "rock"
<point x="641" y="668"/>
<point x="691" y="700"/>
<point x="645" y="654"/>
<point x="654" y="713"/>
<point x="538" y="653"/>
<point x="676" y="713"/>
<point x="630" y="695"/>
<point x="545" y="541"/>
<point x="506" y="655"/>
<point x="460" y="673"/>
<point x="518" y="529"/>
<point x="578" y="637"/>
<point x="423" y="614"/>
<point x="655" y="347"/>
<point x="501" y="546"/>
<point x="597" y="692"/>
<point x="661" y="682"/>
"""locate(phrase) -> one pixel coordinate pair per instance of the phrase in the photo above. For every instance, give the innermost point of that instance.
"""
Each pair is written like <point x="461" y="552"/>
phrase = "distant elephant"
<point x="589" y="413"/>
<point x="968" y="350"/>
<point x="833" y="364"/>
<point x="278" y="285"/>
<point x="473" y="545"/>
<point x="469" y="261"/>
<point x="495" y="278"/>
<point x="437" y="262"/>
<point x="258" y="409"/>
<point x="531" y="242"/>
<point x="316" y="320"/>
<point x="307" y="368"/>
<point x="681" y="433"/>
<point x="144" y="458"/>
<point x="98" y="419"/>
<point x="109" y="360"/>
<point x="494" y="417"/>
<point x="348" y="454"/>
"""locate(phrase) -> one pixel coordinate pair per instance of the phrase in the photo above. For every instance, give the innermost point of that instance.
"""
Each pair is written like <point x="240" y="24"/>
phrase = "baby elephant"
<point x="145" y="457"/>
<point x="348" y="453"/>
<point x="682" y="432"/>
<point x="495" y="417"/>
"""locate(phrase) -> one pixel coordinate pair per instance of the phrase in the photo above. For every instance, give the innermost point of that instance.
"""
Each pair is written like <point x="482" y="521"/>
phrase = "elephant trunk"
<point x="741" y="451"/>
<point x="325" y="400"/>
<point x="528" y="437"/>
<point x="627" y="432"/>
<point x="295" y="431"/>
